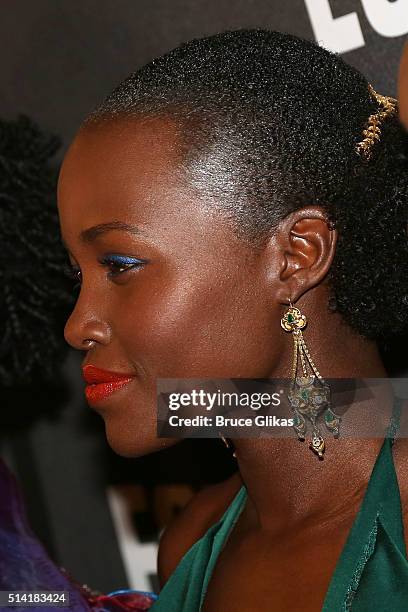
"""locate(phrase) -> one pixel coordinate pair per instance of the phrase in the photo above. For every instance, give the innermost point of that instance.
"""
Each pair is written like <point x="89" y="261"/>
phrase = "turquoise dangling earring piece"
<point x="309" y="395"/>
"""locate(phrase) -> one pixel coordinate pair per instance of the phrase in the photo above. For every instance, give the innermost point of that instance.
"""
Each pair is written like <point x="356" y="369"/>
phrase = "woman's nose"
<point x="84" y="329"/>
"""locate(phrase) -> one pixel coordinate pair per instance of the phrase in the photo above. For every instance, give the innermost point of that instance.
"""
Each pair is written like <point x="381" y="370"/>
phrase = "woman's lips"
<point x="102" y="383"/>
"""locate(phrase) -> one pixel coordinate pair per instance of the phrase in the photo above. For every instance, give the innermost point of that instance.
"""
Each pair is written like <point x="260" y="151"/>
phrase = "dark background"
<point x="58" y="60"/>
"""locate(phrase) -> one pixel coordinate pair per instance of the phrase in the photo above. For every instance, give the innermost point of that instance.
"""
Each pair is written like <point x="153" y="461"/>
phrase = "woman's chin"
<point x="123" y="443"/>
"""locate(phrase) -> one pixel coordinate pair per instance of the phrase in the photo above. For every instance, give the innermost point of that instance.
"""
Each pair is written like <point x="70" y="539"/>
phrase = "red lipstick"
<point x="102" y="383"/>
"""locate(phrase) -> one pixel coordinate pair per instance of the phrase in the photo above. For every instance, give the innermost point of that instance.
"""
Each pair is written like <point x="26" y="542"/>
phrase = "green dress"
<point x="371" y="574"/>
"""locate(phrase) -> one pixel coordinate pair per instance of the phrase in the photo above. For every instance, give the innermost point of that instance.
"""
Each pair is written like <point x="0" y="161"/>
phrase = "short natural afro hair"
<point x="270" y="123"/>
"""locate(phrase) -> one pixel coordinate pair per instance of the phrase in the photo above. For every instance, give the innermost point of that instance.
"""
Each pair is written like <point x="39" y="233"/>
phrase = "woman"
<point x="223" y="183"/>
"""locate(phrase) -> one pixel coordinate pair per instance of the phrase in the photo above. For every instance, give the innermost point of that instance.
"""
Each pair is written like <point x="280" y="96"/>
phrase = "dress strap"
<point x="224" y="528"/>
<point x="375" y="547"/>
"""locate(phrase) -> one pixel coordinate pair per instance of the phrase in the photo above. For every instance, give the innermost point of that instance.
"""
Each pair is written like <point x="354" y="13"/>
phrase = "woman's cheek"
<point x="190" y="322"/>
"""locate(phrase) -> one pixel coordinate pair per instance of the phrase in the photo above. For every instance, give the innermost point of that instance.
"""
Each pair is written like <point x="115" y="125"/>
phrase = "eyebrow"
<point x="93" y="232"/>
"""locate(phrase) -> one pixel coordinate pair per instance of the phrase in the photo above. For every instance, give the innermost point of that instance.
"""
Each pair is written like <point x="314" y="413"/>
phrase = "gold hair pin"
<point x="387" y="108"/>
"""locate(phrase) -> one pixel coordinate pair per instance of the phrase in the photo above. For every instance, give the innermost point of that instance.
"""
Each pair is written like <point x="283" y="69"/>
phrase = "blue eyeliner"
<point x="123" y="260"/>
<point x="118" y="264"/>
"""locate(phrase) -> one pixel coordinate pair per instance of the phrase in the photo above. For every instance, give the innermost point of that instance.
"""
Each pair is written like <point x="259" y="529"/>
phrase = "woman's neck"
<point x="285" y="480"/>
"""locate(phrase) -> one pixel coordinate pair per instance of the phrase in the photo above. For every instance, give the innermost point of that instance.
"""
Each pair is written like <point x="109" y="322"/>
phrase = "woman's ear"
<point x="306" y="241"/>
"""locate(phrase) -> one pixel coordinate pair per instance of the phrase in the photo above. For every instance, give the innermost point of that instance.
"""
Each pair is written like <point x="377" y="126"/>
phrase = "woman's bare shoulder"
<point x="204" y="510"/>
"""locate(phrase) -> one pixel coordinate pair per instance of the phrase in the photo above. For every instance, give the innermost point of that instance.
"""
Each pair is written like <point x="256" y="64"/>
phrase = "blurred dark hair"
<point x="35" y="294"/>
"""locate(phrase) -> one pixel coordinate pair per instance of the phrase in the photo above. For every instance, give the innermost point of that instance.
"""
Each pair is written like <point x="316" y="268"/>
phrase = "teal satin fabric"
<point x="371" y="573"/>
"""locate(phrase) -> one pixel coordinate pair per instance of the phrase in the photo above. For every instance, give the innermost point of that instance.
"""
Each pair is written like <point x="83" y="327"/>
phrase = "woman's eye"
<point x="119" y="264"/>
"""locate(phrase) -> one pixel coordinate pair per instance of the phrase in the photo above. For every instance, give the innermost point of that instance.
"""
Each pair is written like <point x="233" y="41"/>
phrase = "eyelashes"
<point x="74" y="274"/>
<point x="115" y="264"/>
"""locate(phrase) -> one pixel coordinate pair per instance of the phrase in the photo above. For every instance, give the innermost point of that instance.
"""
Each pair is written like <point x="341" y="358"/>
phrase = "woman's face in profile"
<point x="168" y="289"/>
